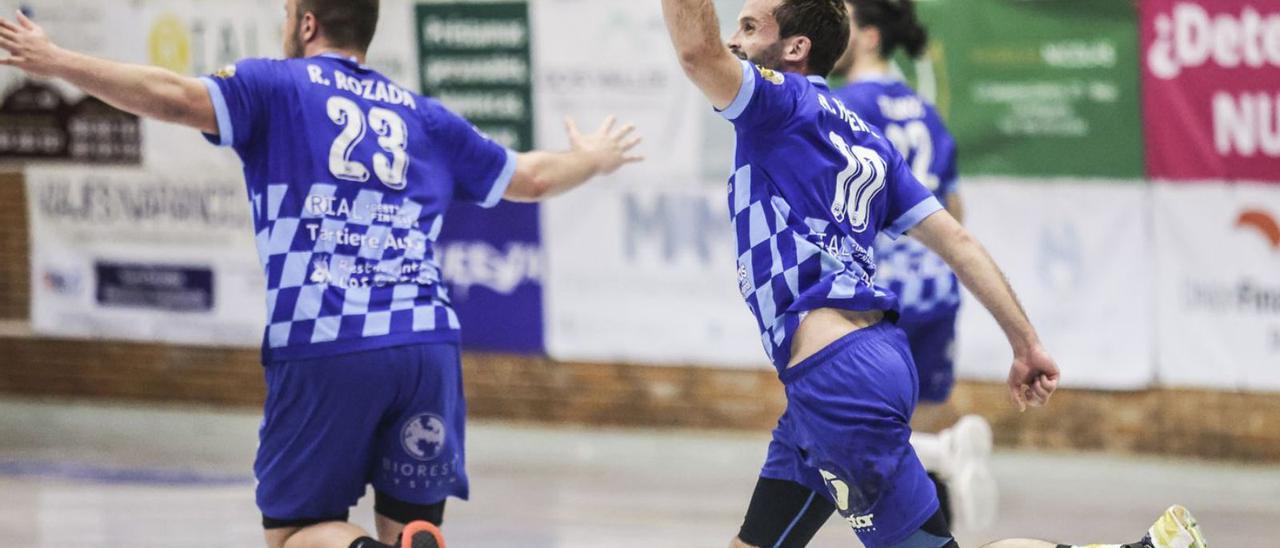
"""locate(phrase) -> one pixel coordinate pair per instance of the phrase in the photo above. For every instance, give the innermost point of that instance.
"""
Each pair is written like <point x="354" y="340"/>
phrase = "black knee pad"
<point x="784" y="513"/>
<point x="938" y="527"/>
<point x="944" y="496"/>
<point x="405" y="512"/>
<point x="278" y="523"/>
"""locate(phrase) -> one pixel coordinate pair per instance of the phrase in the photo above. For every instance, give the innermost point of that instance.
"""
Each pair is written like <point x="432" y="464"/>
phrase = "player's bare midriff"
<point x="824" y="326"/>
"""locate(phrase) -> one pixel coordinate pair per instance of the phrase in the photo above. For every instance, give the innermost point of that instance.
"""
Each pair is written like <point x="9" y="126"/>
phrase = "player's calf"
<point x="783" y="514"/>
<point x="1176" y="528"/>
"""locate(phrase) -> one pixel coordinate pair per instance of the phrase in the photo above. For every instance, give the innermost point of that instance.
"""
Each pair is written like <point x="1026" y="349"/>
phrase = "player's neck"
<point x="325" y="49"/>
<point x="868" y="66"/>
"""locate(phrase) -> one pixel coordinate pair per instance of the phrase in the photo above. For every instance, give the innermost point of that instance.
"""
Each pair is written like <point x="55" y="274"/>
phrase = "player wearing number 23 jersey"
<point x="349" y="177"/>
<point x="329" y="147"/>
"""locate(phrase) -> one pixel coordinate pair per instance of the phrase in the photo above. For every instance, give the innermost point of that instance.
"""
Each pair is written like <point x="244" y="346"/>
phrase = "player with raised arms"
<point x="813" y="187"/>
<point x="349" y="177"/>
<point x="927" y="290"/>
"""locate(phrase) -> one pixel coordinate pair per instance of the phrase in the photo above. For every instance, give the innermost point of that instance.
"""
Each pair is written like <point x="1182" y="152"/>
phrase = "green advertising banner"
<point x="475" y="60"/>
<point x="1043" y="88"/>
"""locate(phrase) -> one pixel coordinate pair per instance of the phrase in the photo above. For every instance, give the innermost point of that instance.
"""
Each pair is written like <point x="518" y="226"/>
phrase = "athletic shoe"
<point x="421" y="534"/>
<point x="1175" y="529"/>
<point x="974" y="494"/>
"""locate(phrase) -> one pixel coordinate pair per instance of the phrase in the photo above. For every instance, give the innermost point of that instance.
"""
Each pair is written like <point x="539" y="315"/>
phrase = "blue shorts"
<point x="391" y="417"/>
<point x="846" y="433"/>
<point x="933" y="345"/>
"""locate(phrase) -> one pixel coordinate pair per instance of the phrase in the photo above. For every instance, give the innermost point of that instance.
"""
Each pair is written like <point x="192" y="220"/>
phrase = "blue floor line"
<point x="117" y="475"/>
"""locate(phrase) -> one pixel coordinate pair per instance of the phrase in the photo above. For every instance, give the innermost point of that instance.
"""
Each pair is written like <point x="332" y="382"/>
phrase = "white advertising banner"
<point x="640" y="266"/>
<point x="199" y="37"/>
<point x="195" y="37"/>
<point x="645" y="275"/>
<point x="1077" y="253"/>
<point x="1218" y="285"/>
<point x="124" y="253"/>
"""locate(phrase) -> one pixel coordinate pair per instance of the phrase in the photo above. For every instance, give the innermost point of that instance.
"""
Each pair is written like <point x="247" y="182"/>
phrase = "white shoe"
<point x="1177" y="528"/>
<point x="967" y="472"/>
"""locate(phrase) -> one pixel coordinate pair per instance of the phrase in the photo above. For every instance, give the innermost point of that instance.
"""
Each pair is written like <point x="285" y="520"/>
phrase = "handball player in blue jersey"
<point x="813" y="187"/>
<point x="349" y="177"/>
<point x="927" y="290"/>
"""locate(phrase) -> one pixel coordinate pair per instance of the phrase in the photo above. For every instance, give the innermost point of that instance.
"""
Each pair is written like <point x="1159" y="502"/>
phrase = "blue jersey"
<point x="349" y="177"/>
<point x="812" y="188"/>
<point x="925" y="286"/>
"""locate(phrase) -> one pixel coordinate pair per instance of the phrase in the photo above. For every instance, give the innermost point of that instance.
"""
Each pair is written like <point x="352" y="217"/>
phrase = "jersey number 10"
<point x="857" y="183"/>
<point x="392" y="138"/>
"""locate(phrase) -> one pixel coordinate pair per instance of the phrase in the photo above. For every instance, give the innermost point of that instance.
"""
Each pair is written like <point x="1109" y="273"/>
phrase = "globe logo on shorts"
<point x="423" y="437"/>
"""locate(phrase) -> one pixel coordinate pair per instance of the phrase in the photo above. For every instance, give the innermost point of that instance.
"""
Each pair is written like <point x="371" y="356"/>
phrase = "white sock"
<point x="932" y="452"/>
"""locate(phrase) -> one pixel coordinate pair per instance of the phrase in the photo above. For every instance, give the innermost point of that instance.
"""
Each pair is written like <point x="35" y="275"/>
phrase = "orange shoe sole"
<point x="421" y="534"/>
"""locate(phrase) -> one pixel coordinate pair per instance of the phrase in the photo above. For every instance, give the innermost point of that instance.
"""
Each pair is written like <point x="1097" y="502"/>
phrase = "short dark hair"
<point x="344" y="23"/>
<point x="899" y="26"/>
<point x="824" y="22"/>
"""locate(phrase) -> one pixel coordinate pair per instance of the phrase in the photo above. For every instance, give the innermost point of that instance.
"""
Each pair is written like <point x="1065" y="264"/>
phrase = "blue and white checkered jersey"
<point x="812" y="188"/>
<point x="926" y="287"/>
<point x="349" y="177"/>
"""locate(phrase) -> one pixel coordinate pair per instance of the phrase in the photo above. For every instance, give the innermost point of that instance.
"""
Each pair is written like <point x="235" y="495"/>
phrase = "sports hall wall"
<point x="1121" y="162"/>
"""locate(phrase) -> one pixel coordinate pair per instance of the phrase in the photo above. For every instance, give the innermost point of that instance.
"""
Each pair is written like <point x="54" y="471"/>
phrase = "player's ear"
<point x="870" y="38"/>
<point x="797" y="49"/>
<point x="308" y="27"/>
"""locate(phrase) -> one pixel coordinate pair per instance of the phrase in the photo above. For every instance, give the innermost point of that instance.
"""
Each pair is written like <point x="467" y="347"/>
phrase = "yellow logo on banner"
<point x="169" y="44"/>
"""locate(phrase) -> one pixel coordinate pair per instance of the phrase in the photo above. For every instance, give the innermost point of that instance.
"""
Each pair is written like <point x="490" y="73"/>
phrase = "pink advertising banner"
<point x="1211" y="89"/>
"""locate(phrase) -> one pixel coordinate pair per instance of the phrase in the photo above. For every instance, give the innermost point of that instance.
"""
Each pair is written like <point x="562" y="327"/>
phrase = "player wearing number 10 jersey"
<point x="349" y="177"/>
<point x="814" y="186"/>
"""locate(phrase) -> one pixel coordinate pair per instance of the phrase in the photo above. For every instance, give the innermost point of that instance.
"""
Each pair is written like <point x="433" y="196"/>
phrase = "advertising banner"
<point x="1045" y="88"/>
<point x="645" y="275"/>
<point x="1218" y="285"/>
<point x="44" y="119"/>
<point x="491" y="260"/>
<point x="640" y="265"/>
<point x="1211" y="81"/>
<point x="127" y="254"/>
<point x="1078" y="255"/>
<point x="474" y="58"/>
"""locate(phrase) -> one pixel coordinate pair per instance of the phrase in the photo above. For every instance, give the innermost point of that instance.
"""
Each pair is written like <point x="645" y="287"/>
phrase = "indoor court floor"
<point x="98" y="476"/>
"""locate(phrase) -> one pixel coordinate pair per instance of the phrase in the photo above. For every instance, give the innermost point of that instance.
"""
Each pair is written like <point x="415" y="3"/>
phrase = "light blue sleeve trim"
<point x="502" y="182"/>
<point x="913" y="217"/>
<point x="748" y="89"/>
<point x="226" y="135"/>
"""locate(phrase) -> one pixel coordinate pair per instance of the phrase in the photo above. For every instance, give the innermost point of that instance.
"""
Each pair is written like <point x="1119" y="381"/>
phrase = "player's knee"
<point x="276" y="538"/>
<point x="279" y="531"/>
<point x="405" y="512"/>
<point x="738" y="543"/>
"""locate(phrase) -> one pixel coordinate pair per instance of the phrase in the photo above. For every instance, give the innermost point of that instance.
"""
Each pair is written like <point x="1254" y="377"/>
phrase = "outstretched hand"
<point x="1033" y="377"/>
<point x="28" y="46"/>
<point x="611" y="148"/>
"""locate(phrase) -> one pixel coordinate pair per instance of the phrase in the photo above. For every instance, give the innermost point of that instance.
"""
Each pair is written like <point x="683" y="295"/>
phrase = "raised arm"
<point x="542" y="174"/>
<point x="695" y="33"/>
<point x="143" y="90"/>
<point x="1033" y="376"/>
